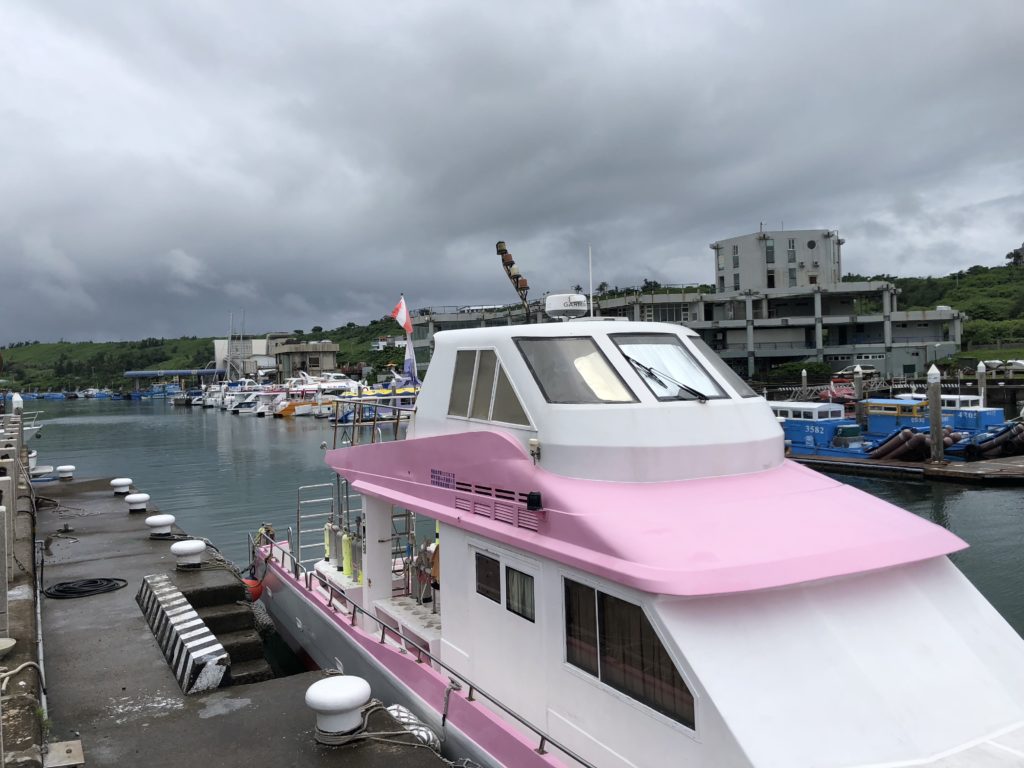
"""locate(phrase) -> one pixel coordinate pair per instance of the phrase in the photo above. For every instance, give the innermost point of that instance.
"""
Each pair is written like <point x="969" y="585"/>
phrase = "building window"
<point x="613" y="640"/>
<point x="771" y="278"/>
<point x="721" y="283"/>
<point x="791" y="250"/>
<point x="519" y="593"/>
<point x="769" y="251"/>
<point x="736" y="281"/>
<point x="488" y="577"/>
<point x="792" y="278"/>
<point x="669" y="313"/>
<point x="812" y="279"/>
<point x="720" y="259"/>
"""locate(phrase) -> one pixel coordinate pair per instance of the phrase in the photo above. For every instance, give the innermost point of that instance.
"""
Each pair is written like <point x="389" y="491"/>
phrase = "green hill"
<point x="992" y="297"/>
<point x="64" y="366"/>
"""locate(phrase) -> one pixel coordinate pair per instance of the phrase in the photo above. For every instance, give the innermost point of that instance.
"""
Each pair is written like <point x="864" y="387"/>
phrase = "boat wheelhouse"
<point x="883" y="415"/>
<point x="634" y="575"/>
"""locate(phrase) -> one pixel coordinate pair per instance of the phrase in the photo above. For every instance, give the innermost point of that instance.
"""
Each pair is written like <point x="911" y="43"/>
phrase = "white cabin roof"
<point x="666" y="438"/>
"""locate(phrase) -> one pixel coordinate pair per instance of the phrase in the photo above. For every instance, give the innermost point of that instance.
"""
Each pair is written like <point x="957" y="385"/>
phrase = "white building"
<point x="778" y="297"/>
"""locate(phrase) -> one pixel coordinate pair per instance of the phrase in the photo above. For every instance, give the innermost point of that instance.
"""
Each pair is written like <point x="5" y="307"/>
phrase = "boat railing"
<point x="314" y="503"/>
<point x="31" y="419"/>
<point x="371" y="415"/>
<point x="338" y="600"/>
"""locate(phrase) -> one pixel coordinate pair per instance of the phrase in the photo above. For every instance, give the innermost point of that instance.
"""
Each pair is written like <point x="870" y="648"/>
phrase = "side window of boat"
<point x="462" y="382"/>
<point x="488" y="577"/>
<point x="613" y="640"/>
<point x="481" y="389"/>
<point x="519" y="598"/>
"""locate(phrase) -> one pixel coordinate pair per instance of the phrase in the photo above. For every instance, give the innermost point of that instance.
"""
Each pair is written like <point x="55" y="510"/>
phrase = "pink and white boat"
<point x="633" y="575"/>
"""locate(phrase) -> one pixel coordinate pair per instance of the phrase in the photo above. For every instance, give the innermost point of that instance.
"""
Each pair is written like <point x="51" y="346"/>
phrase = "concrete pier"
<point x="111" y="697"/>
<point x="110" y="686"/>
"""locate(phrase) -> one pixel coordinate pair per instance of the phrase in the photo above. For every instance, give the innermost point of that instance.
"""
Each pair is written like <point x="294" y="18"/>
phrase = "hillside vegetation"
<point x="992" y="297"/>
<point x="66" y="366"/>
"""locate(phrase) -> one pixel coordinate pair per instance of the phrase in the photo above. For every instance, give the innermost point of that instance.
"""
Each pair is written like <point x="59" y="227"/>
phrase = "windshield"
<point x="573" y="370"/>
<point x="667" y="367"/>
<point x="722" y="368"/>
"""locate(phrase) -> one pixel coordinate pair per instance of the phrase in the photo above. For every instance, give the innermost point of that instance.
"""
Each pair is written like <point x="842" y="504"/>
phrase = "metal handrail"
<point x="335" y="592"/>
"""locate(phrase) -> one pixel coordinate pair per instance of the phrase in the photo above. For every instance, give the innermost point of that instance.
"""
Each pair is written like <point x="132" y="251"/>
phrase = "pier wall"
<point x="23" y="703"/>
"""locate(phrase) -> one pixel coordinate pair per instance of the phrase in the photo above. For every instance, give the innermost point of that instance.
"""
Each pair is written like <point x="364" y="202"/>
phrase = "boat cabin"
<point x="884" y="415"/>
<point x="817" y="428"/>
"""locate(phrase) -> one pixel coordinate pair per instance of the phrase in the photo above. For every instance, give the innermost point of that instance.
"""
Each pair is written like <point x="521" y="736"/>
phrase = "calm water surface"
<point x="223" y="475"/>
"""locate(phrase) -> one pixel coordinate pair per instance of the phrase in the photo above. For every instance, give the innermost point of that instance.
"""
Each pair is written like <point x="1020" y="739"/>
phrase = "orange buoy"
<point x="255" y="588"/>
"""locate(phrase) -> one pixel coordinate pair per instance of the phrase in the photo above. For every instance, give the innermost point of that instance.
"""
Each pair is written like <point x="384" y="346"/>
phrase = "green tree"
<point x="1016" y="256"/>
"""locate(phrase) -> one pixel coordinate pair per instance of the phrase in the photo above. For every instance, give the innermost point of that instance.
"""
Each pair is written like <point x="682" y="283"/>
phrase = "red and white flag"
<point x="401" y="315"/>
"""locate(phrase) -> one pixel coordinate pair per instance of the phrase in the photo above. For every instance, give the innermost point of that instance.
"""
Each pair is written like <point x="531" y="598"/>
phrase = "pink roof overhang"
<point x="704" y="536"/>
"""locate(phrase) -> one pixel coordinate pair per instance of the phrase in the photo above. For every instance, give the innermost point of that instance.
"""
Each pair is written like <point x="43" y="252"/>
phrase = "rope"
<point x="66" y="590"/>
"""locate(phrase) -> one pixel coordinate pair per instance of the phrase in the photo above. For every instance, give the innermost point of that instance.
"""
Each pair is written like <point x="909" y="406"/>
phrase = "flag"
<point x="409" y="368"/>
<point x="401" y="315"/>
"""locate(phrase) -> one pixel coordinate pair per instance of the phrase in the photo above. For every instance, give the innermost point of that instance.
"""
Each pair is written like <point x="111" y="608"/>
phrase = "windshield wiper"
<point x="656" y="376"/>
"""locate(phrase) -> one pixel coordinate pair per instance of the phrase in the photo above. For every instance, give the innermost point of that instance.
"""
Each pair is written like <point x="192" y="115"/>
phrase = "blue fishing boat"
<point x="897" y="428"/>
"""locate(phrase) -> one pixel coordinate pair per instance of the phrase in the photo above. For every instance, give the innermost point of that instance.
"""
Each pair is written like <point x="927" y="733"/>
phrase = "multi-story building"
<point x="777" y="297"/>
<point x="276" y="355"/>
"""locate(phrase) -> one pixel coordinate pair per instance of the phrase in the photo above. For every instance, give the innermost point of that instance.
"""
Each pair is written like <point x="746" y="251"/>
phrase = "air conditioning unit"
<point x="814" y="263"/>
<point x="801" y="265"/>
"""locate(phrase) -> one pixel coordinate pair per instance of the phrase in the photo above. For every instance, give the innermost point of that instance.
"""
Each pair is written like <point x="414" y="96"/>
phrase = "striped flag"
<point x="401" y="315"/>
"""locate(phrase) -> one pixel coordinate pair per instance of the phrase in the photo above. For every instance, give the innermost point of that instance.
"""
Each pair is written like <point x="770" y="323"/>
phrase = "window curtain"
<point x="581" y="626"/>
<point x="633" y="660"/>
<point x="519" y="593"/>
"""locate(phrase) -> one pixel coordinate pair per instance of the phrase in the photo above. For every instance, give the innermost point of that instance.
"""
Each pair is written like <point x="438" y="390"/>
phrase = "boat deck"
<point x="413" y="623"/>
<point x="1003" y="471"/>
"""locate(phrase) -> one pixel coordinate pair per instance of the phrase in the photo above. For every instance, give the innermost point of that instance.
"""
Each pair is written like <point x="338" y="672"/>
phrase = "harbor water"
<point x="223" y="475"/>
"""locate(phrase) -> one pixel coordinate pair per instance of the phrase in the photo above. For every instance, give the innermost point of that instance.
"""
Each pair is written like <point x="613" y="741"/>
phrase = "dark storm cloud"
<point x="305" y="162"/>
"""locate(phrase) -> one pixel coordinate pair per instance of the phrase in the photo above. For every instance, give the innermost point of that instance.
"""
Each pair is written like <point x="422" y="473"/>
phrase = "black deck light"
<point x="533" y="502"/>
<point x="520" y="283"/>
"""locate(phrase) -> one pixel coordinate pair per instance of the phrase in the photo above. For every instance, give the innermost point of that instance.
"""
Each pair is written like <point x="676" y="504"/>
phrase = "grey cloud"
<point x="308" y="162"/>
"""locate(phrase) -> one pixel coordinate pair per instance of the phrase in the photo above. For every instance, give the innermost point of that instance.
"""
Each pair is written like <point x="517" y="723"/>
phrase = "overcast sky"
<point x="165" y="164"/>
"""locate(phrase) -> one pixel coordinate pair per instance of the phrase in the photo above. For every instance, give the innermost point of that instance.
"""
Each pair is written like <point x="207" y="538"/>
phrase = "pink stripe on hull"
<point x="495" y="736"/>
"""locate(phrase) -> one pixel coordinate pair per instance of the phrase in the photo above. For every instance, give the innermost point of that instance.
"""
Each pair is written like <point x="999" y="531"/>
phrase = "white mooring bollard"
<point x="337" y="701"/>
<point x="121" y="485"/>
<point x="66" y="471"/>
<point x="137" y="501"/>
<point x="159" y="525"/>
<point x="189" y="554"/>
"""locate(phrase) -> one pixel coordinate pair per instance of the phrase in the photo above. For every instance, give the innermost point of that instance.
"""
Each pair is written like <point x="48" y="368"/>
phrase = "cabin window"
<point x="488" y="577"/>
<point x="462" y="382"/>
<point x="481" y="389"/>
<point x="507" y="407"/>
<point x="484" y="387"/>
<point x="573" y="370"/>
<point x="519" y="593"/>
<point x="668" y="369"/>
<point x="722" y="368"/>
<point x="613" y="640"/>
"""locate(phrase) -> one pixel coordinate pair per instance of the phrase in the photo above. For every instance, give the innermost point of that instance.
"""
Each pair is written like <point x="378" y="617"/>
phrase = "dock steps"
<point x="227" y="618"/>
<point x="242" y="645"/>
<point x="216" y="607"/>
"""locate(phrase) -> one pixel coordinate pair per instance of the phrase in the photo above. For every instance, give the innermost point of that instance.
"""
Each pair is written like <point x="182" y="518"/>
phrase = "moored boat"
<point x="633" y="574"/>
